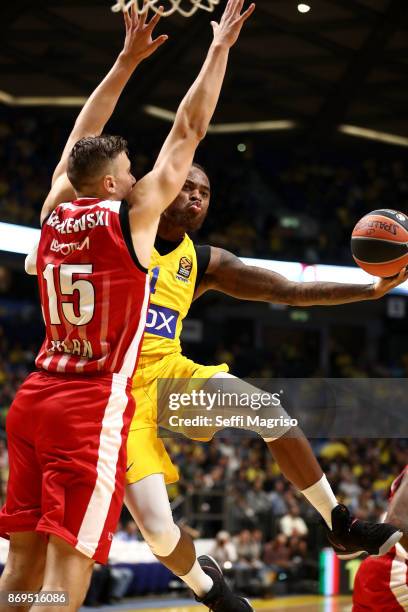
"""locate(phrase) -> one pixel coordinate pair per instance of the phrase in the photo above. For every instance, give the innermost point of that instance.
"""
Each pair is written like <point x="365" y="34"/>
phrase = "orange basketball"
<point x="379" y="242"/>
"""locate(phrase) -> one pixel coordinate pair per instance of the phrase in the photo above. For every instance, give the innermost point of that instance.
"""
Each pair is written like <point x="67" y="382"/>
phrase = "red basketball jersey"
<point x="381" y="583"/>
<point x="94" y="293"/>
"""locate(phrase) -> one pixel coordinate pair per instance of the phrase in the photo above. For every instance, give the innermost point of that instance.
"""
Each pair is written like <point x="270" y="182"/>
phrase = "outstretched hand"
<point x="139" y="42"/>
<point x="228" y="30"/>
<point x="384" y="285"/>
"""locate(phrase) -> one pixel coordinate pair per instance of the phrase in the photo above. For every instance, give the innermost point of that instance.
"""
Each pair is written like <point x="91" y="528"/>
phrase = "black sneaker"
<point x="351" y="537"/>
<point x="220" y="598"/>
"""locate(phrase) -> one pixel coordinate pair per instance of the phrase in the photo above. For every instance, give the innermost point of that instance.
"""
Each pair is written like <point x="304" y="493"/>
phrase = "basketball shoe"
<point x="351" y="537"/>
<point x="220" y="598"/>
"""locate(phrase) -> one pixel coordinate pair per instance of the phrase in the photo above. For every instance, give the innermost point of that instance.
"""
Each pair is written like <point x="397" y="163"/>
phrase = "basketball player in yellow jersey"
<point x="180" y="272"/>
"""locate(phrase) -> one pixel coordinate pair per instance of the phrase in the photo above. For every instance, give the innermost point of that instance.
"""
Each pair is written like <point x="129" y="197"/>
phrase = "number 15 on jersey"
<point x="61" y="286"/>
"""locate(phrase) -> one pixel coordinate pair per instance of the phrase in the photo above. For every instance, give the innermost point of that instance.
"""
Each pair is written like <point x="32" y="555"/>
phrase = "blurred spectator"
<point x="239" y="514"/>
<point x="108" y="585"/>
<point x="248" y="568"/>
<point x="121" y="579"/>
<point x="292" y="524"/>
<point x="224" y="550"/>
<point x="277" y="553"/>
<point x="350" y="489"/>
<point x="248" y="550"/>
<point x="100" y="586"/>
<point x="277" y="501"/>
<point x="257" y="498"/>
<point x="129" y="533"/>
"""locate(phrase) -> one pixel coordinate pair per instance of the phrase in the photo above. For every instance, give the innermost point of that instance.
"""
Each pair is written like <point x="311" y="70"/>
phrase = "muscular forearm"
<point x="259" y="284"/>
<point x="90" y="122"/>
<point x="274" y="288"/>
<point x="303" y="294"/>
<point x="227" y="273"/>
<point x="190" y="126"/>
<point x="199" y="104"/>
<point x="329" y="294"/>
<point x="100" y="106"/>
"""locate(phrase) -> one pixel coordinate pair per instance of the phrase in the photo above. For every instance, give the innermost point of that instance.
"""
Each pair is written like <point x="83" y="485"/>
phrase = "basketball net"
<point x="186" y="8"/>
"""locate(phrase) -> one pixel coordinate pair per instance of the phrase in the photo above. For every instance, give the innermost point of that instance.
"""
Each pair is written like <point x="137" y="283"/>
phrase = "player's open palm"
<point x="139" y="42"/>
<point x="384" y="285"/>
<point x="227" y="31"/>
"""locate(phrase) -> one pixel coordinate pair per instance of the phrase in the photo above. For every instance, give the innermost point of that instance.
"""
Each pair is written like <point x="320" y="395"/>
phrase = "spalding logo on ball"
<point x="379" y="242"/>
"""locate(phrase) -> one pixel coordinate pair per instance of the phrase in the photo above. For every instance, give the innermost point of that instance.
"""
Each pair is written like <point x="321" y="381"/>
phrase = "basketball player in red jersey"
<point x="68" y="424"/>
<point x="381" y="584"/>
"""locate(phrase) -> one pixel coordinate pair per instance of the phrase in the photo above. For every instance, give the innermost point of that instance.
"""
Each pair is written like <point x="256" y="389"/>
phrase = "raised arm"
<point x="227" y="273"/>
<point x="158" y="189"/>
<point x="98" y="109"/>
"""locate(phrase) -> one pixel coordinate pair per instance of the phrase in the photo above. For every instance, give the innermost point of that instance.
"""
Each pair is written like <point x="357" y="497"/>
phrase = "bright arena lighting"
<point x="359" y="132"/>
<point x="304" y="8"/>
<point x="18" y="238"/>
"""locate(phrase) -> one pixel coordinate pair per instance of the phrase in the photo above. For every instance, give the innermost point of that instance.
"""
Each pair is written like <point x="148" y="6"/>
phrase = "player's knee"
<point x="158" y="522"/>
<point x="161" y="537"/>
<point x="67" y="569"/>
<point x="157" y="532"/>
<point x="26" y="561"/>
<point x="160" y="532"/>
<point x="75" y="583"/>
<point x="26" y="573"/>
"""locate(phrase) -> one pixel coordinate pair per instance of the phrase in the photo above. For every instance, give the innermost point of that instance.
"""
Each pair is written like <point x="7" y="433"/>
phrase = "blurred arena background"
<point x="321" y="103"/>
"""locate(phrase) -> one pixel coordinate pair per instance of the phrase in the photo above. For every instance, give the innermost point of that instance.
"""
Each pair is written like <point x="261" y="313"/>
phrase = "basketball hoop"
<point x="186" y="8"/>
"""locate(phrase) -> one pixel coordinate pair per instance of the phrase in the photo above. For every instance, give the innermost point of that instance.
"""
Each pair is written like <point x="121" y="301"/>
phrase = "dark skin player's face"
<point x="189" y="210"/>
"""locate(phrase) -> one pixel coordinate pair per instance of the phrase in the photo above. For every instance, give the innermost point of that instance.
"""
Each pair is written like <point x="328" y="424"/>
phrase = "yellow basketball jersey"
<point x="173" y="280"/>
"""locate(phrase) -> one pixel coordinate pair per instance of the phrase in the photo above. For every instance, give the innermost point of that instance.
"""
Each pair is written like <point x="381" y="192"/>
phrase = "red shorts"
<point x="67" y="452"/>
<point x="381" y="584"/>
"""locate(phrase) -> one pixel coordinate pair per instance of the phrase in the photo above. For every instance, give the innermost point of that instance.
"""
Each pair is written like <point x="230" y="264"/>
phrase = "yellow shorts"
<point x="145" y="451"/>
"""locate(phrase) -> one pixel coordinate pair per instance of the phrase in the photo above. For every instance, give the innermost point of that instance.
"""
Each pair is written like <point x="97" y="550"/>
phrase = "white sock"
<point x="198" y="580"/>
<point x="321" y="496"/>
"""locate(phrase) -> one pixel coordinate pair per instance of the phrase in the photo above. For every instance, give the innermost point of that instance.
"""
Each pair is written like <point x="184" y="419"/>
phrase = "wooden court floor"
<point x="306" y="603"/>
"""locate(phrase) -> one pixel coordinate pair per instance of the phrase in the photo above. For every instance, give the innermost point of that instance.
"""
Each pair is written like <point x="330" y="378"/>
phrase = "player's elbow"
<point x="30" y="262"/>
<point x="199" y="129"/>
<point x="194" y="132"/>
<point x="30" y="266"/>
<point x="192" y="126"/>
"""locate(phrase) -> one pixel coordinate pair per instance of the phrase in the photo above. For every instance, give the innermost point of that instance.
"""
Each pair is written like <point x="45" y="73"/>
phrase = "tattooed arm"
<point x="228" y="274"/>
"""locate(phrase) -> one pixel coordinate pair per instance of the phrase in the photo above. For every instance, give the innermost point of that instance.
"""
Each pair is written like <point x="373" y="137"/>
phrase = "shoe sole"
<point x="214" y="562"/>
<point x="220" y="570"/>
<point x="388" y="544"/>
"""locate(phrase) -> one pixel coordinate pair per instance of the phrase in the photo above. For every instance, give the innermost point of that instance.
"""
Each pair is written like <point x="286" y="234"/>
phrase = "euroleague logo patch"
<point x="185" y="267"/>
